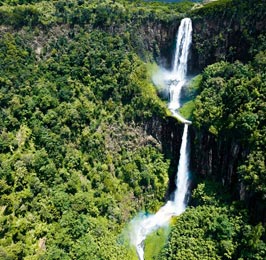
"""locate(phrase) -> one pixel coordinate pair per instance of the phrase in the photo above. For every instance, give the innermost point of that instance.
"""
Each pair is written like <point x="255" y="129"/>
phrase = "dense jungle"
<point x="87" y="141"/>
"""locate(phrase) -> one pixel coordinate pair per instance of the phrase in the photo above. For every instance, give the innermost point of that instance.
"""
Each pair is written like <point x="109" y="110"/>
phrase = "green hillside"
<point x="82" y="132"/>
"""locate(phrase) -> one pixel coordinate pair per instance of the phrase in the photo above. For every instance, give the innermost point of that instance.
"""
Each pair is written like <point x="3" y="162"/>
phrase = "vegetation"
<point x="76" y="159"/>
<point x="155" y="242"/>
<point x="104" y="14"/>
<point x="190" y="93"/>
<point x="214" y="229"/>
<point x="232" y="104"/>
<point x="74" y="165"/>
<point x="76" y="162"/>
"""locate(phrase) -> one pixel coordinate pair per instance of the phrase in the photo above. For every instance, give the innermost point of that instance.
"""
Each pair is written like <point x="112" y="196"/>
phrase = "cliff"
<point x="158" y="38"/>
<point x="227" y="30"/>
<point x="217" y="158"/>
<point x="168" y="133"/>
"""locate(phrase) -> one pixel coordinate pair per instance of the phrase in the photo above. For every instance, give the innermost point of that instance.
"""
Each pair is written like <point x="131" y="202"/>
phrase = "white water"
<point x="184" y="38"/>
<point x="177" y="77"/>
<point x="144" y="225"/>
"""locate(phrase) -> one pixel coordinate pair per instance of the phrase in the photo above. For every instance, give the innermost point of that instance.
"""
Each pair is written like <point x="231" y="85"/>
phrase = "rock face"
<point x="168" y="132"/>
<point x="223" y="32"/>
<point x="158" y="38"/>
<point x="226" y="32"/>
<point x="218" y="158"/>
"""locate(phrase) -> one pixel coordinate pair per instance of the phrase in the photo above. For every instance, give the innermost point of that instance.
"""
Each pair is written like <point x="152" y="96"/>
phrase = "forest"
<point x="82" y="141"/>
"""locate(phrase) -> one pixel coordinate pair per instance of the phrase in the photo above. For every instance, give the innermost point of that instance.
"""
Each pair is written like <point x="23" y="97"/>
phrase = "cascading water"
<point x="183" y="43"/>
<point x="143" y="226"/>
<point x="176" y="79"/>
<point x="182" y="175"/>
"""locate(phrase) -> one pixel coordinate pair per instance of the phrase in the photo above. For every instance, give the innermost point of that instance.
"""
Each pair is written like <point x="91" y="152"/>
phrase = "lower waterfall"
<point x="148" y="224"/>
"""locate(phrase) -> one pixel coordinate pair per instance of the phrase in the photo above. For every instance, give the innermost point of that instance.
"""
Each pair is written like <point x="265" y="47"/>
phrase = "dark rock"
<point x="168" y="132"/>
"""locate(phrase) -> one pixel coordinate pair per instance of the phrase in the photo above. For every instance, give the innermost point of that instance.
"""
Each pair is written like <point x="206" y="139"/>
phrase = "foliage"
<point x="232" y="105"/>
<point x="105" y="14"/>
<point x="209" y="232"/>
<point x="76" y="162"/>
<point x="155" y="242"/>
<point x="191" y="91"/>
<point x="215" y="229"/>
<point x="187" y="109"/>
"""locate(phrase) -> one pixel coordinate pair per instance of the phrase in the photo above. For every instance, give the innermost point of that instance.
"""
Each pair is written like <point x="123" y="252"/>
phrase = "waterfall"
<point x="182" y="175"/>
<point x="183" y="42"/>
<point x="144" y="225"/>
<point x="177" y="78"/>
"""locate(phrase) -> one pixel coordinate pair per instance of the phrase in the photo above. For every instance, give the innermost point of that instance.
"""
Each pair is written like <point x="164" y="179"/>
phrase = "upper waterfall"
<point x="183" y="42"/>
<point x="178" y="74"/>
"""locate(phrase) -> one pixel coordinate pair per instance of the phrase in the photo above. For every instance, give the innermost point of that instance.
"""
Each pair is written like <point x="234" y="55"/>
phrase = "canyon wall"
<point x="227" y="30"/>
<point x="168" y="133"/>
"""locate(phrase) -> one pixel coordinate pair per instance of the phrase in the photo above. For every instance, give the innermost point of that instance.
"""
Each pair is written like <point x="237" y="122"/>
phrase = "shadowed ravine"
<point x="174" y="80"/>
